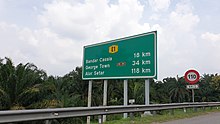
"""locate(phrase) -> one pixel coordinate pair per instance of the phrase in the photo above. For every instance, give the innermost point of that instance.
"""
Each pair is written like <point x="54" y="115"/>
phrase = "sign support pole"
<point x="125" y="96"/>
<point x="105" y="97"/>
<point x="89" y="99"/>
<point x="147" y="94"/>
<point x="193" y="94"/>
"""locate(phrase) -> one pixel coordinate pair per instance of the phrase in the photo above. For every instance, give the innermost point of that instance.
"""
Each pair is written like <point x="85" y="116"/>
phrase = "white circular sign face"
<point x="192" y="76"/>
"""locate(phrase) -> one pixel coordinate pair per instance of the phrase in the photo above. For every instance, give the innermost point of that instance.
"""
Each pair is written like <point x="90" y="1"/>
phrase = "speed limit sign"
<point x="192" y="76"/>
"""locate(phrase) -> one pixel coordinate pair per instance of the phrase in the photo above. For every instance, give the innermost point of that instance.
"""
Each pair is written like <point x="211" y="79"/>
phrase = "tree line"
<point x="25" y="86"/>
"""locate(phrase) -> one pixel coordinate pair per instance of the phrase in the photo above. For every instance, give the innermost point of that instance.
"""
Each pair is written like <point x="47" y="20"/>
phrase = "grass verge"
<point x="164" y="116"/>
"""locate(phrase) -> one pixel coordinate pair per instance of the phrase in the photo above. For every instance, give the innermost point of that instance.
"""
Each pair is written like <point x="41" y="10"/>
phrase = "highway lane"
<point x="211" y="118"/>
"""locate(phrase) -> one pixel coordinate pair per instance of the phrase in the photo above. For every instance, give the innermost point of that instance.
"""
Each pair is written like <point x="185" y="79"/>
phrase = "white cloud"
<point x="155" y="17"/>
<point x="183" y="17"/>
<point x="65" y="27"/>
<point x="209" y="54"/>
<point x="42" y="47"/>
<point x="211" y="37"/>
<point x="178" y="45"/>
<point x="93" y="20"/>
<point x="159" y="5"/>
<point x="178" y="31"/>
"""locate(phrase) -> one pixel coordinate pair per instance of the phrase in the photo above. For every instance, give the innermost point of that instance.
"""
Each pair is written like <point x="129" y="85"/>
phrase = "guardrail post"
<point x="47" y="122"/>
<point x="132" y="117"/>
<point x="195" y="109"/>
<point x="172" y="111"/>
<point x="203" y="108"/>
<point x="184" y="110"/>
<point x="154" y="112"/>
<point x="100" y="119"/>
<point x="131" y="101"/>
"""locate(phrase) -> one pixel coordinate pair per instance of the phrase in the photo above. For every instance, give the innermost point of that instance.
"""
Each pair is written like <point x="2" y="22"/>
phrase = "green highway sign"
<point x="129" y="57"/>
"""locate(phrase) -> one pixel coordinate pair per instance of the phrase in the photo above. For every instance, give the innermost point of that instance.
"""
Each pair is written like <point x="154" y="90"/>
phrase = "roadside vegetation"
<point x="25" y="86"/>
<point x="164" y="116"/>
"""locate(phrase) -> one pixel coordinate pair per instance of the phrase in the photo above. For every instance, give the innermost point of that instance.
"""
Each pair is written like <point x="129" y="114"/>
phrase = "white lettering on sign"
<point x="135" y="70"/>
<point x="145" y="54"/>
<point x="145" y="62"/>
<point x="91" y="61"/>
<point x="136" y="55"/>
<point x="105" y="59"/>
<point x="104" y="66"/>
<point x="145" y="70"/>
<point x="99" y="72"/>
<point x="91" y="67"/>
<point x="135" y="62"/>
<point x="89" y="73"/>
<point x="141" y="59"/>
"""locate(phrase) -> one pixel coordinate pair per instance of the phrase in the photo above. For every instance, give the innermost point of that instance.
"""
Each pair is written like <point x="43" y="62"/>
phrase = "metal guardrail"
<point x="46" y="114"/>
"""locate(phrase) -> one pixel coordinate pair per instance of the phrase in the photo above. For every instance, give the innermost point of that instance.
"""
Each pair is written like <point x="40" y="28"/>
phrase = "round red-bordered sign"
<point x="192" y="76"/>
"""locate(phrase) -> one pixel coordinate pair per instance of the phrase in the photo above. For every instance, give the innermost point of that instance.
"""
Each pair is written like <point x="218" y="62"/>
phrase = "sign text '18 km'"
<point x="130" y="57"/>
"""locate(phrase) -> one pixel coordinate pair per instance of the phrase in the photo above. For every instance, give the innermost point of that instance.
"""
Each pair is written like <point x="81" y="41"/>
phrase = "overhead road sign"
<point x="129" y="57"/>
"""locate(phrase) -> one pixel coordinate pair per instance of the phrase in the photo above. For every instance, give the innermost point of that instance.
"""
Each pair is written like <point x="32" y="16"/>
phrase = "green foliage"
<point x="25" y="87"/>
<point x="164" y="117"/>
<point x="19" y="86"/>
<point x="177" y="89"/>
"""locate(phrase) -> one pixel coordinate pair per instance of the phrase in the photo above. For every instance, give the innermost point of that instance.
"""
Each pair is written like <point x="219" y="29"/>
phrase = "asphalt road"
<point x="212" y="118"/>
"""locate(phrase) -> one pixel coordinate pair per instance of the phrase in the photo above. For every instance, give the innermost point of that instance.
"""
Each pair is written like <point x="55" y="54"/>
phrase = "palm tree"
<point x="177" y="89"/>
<point x="208" y="91"/>
<point x="136" y="90"/>
<point x="159" y="92"/>
<point x="20" y="86"/>
<point x="76" y="86"/>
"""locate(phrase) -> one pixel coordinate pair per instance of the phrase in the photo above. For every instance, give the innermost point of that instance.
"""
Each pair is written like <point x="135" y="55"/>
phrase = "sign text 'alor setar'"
<point x="129" y="57"/>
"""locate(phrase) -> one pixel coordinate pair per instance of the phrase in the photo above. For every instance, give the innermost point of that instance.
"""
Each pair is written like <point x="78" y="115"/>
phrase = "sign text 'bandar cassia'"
<point x="129" y="57"/>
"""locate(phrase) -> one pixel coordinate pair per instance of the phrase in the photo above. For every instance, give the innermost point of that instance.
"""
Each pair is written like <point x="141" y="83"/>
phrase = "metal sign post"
<point x="192" y="87"/>
<point x="193" y="94"/>
<point x="125" y="96"/>
<point x="89" y="99"/>
<point x="105" y="97"/>
<point x="147" y="95"/>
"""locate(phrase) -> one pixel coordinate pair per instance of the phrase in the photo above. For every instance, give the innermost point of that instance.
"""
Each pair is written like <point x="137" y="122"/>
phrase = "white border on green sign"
<point x="116" y="40"/>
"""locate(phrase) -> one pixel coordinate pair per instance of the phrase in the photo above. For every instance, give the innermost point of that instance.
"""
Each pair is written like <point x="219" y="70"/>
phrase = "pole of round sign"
<point x="193" y="96"/>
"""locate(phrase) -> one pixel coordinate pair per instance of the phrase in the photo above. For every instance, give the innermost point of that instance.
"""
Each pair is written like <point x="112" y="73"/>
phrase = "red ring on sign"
<point x="192" y="71"/>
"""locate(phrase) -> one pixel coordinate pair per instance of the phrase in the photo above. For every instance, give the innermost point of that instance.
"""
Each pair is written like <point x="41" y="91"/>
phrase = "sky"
<point x="51" y="33"/>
